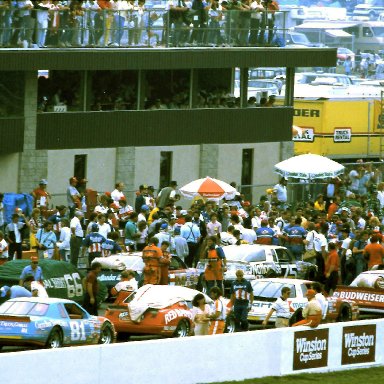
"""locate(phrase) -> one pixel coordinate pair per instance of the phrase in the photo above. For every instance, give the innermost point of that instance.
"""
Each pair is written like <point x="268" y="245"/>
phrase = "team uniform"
<point x="217" y="326"/>
<point x="109" y="247"/>
<point x="94" y="242"/>
<point x="241" y="294"/>
<point x="265" y="235"/>
<point x="152" y="256"/>
<point x="214" y="273"/>
<point x="296" y="234"/>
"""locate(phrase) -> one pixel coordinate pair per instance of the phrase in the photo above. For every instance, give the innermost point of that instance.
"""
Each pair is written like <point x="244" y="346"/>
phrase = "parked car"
<point x="258" y="261"/>
<point x="112" y="266"/>
<point x="322" y="77"/>
<point x="259" y="88"/>
<point x="51" y="323"/>
<point x="156" y="310"/>
<point x="367" y="290"/>
<point x="370" y="8"/>
<point x="266" y="291"/>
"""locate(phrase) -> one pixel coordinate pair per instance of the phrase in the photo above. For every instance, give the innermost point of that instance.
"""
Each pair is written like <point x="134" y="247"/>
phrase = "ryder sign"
<point x="358" y="344"/>
<point x="310" y="349"/>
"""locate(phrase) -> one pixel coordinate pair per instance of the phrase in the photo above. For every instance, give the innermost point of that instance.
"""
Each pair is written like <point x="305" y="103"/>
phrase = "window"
<point x="80" y="168"/>
<point x="246" y="173"/>
<point x="256" y="256"/>
<point x="165" y="168"/>
<point x="11" y="94"/>
<point x="283" y="255"/>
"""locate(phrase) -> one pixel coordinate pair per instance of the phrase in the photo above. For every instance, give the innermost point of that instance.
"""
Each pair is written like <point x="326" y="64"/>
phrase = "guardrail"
<point x="204" y="359"/>
<point x="139" y="26"/>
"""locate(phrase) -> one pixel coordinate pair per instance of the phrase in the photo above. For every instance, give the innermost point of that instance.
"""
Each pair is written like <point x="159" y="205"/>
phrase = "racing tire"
<point x="107" y="334"/>
<point x="345" y="313"/>
<point x="55" y="339"/>
<point x="182" y="329"/>
<point x="230" y="325"/>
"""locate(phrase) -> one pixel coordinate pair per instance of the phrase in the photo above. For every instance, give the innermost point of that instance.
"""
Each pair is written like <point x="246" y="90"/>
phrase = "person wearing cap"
<point x="281" y="307"/>
<point x="46" y="241"/>
<point x="41" y="196"/>
<point x="166" y="195"/>
<point x="73" y="196"/>
<point x="77" y="234"/>
<point x="140" y="198"/>
<point x="93" y="241"/>
<point x="143" y="213"/>
<point x="164" y="235"/>
<point x="32" y="269"/>
<point x="312" y="312"/>
<point x="7" y="292"/>
<point x="131" y="232"/>
<point x="117" y="194"/>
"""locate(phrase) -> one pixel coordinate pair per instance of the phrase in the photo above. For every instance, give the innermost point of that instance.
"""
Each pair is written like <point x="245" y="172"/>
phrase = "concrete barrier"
<point x="204" y="359"/>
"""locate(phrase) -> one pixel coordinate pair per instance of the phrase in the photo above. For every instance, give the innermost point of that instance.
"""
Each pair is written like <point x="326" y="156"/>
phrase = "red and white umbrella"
<point x="209" y="188"/>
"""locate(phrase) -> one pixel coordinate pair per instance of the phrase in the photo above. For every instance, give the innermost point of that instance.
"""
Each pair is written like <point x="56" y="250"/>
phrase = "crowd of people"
<point x="340" y="230"/>
<point x="132" y="23"/>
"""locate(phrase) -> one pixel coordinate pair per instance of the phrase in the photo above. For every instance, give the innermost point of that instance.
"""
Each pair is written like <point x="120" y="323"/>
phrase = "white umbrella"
<point x="309" y="167"/>
<point x="209" y="188"/>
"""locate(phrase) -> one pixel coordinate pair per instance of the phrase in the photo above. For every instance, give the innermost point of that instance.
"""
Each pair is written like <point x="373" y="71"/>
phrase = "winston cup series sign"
<point x="310" y="349"/>
<point x="358" y="344"/>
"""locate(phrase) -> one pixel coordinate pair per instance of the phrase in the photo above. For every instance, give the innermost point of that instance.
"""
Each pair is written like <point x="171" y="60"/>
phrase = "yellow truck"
<point x="339" y="128"/>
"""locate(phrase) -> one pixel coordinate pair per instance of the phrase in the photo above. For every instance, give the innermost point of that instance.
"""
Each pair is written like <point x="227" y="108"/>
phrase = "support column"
<point x="33" y="164"/>
<point x="243" y="87"/>
<point x="125" y="170"/>
<point x="209" y="160"/>
<point x="289" y="86"/>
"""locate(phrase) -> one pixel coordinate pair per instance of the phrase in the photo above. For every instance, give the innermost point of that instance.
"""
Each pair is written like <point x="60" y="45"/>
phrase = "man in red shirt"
<point x="152" y="256"/>
<point x="41" y="196"/>
<point x="91" y="289"/>
<point x="374" y="252"/>
<point x="331" y="268"/>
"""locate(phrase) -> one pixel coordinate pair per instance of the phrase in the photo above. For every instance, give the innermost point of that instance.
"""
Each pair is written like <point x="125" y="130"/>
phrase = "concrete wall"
<point x="9" y="168"/>
<point x="205" y="359"/>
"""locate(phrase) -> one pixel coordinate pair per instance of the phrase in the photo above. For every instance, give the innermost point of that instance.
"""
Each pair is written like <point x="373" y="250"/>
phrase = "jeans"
<point x="240" y="310"/>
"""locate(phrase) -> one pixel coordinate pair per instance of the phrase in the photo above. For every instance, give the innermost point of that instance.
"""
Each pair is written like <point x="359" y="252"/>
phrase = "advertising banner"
<point x="310" y="349"/>
<point x="358" y="344"/>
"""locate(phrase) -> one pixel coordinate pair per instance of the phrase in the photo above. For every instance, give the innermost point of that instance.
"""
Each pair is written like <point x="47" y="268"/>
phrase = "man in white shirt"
<point x="117" y="194"/>
<point x="281" y="307"/>
<point x="104" y="227"/>
<point x="321" y="299"/>
<point x="77" y="235"/>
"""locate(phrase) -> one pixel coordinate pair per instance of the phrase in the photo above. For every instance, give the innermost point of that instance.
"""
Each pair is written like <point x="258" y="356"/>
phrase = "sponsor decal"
<point x="305" y="134"/>
<point x="310" y="349"/>
<point x="108" y="278"/>
<point x="342" y="135"/>
<point x="307" y="112"/>
<point x="360" y="296"/>
<point x="124" y="315"/>
<point x="43" y="324"/>
<point x="358" y="344"/>
<point x="175" y="313"/>
<point x="11" y="324"/>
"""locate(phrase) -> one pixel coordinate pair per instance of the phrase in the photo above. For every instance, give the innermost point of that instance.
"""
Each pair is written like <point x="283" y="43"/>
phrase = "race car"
<point x="156" y="310"/>
<point x="51" y="323"/>
<point x="367" y="290"/>
<point x="258" y="261"/>
<point x="179" y="273"/>
<point x="266" y="291"/>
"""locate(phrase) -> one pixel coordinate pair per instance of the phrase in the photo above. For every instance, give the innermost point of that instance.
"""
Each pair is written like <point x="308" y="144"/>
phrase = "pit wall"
<point x="205" y="359"/>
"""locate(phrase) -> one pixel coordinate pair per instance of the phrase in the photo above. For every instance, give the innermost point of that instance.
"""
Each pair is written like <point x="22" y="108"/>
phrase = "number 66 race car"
<point x="51" y="323"/>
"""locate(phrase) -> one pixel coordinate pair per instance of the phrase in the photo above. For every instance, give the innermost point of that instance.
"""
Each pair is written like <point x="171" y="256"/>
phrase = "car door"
<point x="286" y="262"/>
<point x="80" y="328"/>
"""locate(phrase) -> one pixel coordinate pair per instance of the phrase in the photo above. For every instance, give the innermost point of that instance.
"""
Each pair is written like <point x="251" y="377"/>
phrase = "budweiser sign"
<point x="310" y="349"/>
<point x="358" y="344"/>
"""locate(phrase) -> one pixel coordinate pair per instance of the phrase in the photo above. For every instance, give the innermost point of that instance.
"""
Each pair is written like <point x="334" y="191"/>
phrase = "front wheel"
<point x="182" y="329"/>
<point x="55" y="339"/>
<point x="230" y="325"/>
<point x="107" y="335"/>
<point x="345" y="313"/>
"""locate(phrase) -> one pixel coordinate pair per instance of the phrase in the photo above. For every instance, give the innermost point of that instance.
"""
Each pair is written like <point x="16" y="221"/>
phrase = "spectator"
<point x="200" y="315"/>
<point x="127" y="283"/>
<point x="91" y="283"/>
<point x="281" y="307"/>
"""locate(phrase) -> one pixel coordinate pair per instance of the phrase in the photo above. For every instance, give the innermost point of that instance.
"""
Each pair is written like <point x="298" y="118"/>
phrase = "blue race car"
<point x="51" y="323"/>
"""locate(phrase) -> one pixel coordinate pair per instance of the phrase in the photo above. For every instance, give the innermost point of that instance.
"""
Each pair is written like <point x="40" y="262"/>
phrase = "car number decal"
<point x="77" y="330"/>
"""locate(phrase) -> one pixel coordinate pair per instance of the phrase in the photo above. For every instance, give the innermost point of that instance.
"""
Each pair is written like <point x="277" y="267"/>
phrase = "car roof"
<point x="283" y="280"/>
<point x="42" y="300"/>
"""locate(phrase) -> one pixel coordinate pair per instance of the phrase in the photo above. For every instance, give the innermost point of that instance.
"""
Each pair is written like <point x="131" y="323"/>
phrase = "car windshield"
<point x="271" y="289"/>
<point x="300" y="39"/>
<point x="24" y="308"/>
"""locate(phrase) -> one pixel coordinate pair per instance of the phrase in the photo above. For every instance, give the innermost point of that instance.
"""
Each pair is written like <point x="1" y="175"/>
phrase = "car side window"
<point x="304" y="289"/>
<point x="259" y="255"/>
<point x="74" y="312"/>
<point x="283" y="255"/>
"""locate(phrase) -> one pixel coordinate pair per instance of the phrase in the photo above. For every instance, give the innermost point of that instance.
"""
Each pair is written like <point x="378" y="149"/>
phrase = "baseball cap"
<point x="311" y="292"/>
<point x="144" y="207"/>
<point x="164" y="226"/>
<point x="94" y="228"/>
<point x="43" y="181"/>
<point x="4" y="290"/>
<point x="79" y="213"/>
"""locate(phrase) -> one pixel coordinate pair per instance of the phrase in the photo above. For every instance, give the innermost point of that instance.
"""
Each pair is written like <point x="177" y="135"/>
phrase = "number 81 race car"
<point x="51" y="323"/>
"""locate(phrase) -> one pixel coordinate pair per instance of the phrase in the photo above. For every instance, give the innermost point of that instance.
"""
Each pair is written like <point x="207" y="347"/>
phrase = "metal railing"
<point x="139" y="27"/>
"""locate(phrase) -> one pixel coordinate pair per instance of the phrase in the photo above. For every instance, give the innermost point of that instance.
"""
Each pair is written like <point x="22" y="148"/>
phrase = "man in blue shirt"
<point x="32" y="270"/>
<point x="131" y="233"/>
<point x="296" y="234"/>
<point x="93" y="241"/>
<point x="14" y="291"/>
